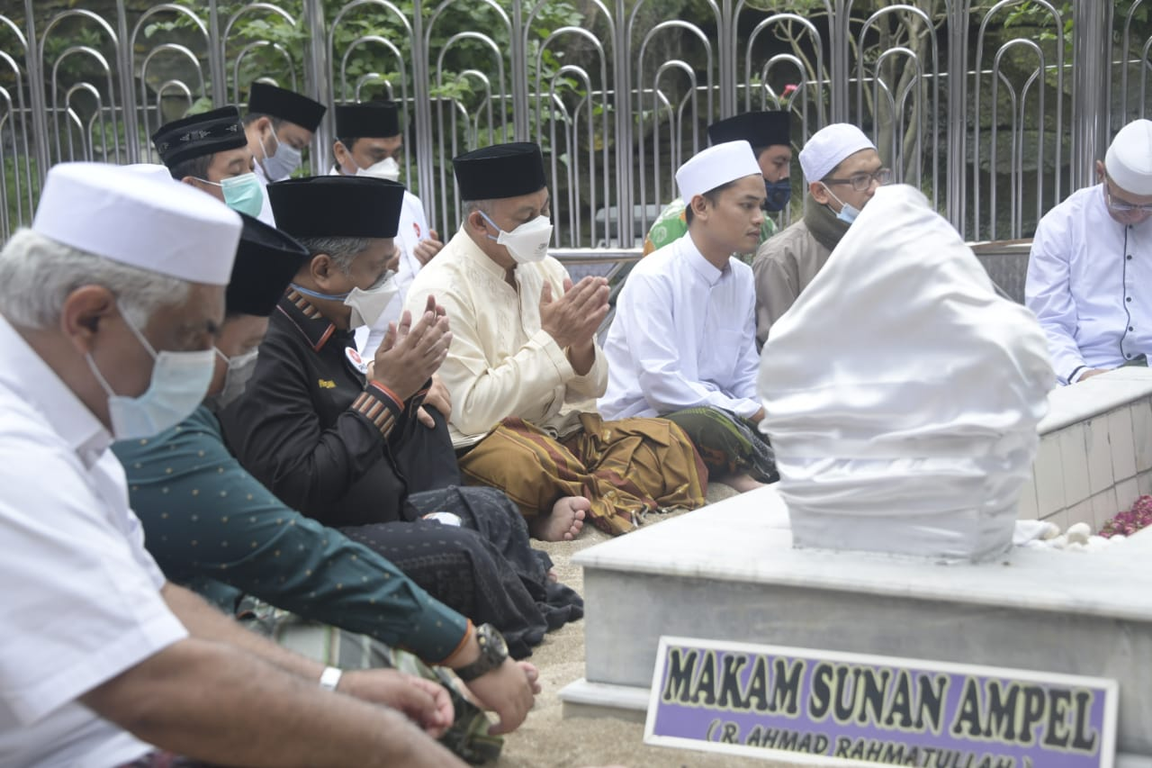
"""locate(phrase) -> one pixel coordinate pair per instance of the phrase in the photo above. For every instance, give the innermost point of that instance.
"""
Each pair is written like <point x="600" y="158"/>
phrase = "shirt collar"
<point x="25" y="373"/>
<point x="467" y="247"/>
<point x="692" y="256"/>
<point x="313" y="326"/>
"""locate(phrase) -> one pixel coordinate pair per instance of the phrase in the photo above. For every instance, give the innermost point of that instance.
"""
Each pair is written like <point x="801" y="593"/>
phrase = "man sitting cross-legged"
<point x="683" y="344"/>
<point x="523" y="347"/>
<point x="347" y="448"/>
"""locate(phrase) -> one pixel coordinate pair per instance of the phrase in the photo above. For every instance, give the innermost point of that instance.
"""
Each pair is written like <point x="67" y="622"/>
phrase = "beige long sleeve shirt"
<point x="501" y="362"/>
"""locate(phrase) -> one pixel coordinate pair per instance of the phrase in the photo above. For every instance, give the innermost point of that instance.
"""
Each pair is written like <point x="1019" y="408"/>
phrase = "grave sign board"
<point x="830" y="708"/>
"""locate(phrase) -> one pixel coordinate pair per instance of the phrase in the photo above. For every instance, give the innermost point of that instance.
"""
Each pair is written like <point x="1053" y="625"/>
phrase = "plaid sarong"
<point x="468" y="737"/>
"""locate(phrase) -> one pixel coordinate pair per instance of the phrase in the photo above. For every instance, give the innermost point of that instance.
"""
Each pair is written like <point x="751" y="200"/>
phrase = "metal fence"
<point x="617" y="100"/>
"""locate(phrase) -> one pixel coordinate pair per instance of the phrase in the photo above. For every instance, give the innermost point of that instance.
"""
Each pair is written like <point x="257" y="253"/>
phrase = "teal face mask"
<point x="242" y="193"/>
<point x="179" y="382"/>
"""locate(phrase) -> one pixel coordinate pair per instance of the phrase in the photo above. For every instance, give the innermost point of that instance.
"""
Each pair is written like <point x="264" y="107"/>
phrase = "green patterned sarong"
<point x="728" y="444"/>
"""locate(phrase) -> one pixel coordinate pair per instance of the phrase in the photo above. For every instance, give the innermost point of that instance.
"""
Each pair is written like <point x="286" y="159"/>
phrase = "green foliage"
<point x="271" y="30"/>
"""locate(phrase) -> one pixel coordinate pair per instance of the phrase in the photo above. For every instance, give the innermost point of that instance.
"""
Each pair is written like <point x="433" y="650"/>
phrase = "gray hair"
<point x="477" y="205"/>
<point x="37" y="275"/>
<point x="342" y="250"/>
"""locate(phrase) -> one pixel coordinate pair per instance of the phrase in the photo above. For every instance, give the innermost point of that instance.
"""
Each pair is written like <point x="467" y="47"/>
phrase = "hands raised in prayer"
<point x="573" y="319"/>
<point x="426" y="249"/>
<point x="411" y="352"/>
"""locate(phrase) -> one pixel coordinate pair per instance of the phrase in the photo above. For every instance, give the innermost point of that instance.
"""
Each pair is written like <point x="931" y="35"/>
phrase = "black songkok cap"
<point x="374" y="119"/>
<point x="264" y="99"/>
<point x="266" y="261"/>
<point x="337" y="206"/>
<point x="502" y="170"/>
<point x="760" y="129"/>
<point x="197" y="135"/>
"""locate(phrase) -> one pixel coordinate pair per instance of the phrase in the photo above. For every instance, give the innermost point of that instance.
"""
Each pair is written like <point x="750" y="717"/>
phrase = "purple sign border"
<point x="706" y="716"/>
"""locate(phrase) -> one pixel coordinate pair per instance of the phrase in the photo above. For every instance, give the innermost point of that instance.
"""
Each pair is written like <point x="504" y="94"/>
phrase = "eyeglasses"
<point x="861" y="182"/>
<point x="1120" y="207"/>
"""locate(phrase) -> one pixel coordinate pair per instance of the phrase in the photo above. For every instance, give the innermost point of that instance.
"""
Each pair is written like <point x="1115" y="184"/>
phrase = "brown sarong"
<point x="625" y="468"/>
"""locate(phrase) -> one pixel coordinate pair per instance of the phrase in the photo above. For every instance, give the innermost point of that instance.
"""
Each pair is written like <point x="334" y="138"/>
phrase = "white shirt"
<point x="684" y="335"/>
<point x="501" y="362"/>
<point x="81" y="594"/>
<point x="1090" y="285"/>
<point x="265" y="207"/>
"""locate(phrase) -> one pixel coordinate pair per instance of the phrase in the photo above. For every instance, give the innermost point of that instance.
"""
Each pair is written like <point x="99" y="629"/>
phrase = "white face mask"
<point x="528" y="243"/>
<point x="283" y="162"/>
<point x="179" y="382"/>
<point x="387" y="168"/>
<point x="367" y="305"/>
<point x="240" y="370"/>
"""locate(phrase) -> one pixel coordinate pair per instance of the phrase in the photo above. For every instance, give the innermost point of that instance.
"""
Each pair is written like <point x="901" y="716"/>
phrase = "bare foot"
<point x="742" y="482"/>
<point x="565" y="521"/>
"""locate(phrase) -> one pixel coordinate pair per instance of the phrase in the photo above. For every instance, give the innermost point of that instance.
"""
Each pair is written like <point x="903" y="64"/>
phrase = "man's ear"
<point x="476" y="222"/>
<point x="819" y="192"/>
<point x="321" y="269"/>
<point x="700" y="206"/>
<point x="83" y="311"/>
<point x="340" y="153"/>
<point x="1101" y="171"/>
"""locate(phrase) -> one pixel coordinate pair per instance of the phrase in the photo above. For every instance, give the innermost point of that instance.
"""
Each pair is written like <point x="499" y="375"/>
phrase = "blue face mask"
<point x="847" y="213"/>
<point x="179" y="382"/>
<point x="779" y="193"/>
<point x="283" y="161"/>
<point x="242" y="193"/>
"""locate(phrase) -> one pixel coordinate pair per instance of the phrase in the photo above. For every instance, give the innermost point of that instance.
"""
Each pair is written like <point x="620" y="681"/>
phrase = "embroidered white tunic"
<point x="684" y="335"/>
<point x="501" y="362"/>
<point x="82" y="599"/>
<point x="1090" y="285"/>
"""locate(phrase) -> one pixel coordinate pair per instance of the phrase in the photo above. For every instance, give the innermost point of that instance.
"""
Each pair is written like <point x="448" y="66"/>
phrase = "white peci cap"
<point x="828" y="147"/>
<point x="1129" y="158"/>
<point x="716" y="166"/>
<point x="156" y="170"/>
<point x="136" y="219"/>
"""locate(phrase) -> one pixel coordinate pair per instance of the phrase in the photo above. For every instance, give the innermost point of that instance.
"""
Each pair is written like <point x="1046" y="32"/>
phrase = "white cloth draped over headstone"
<point x="903" y="394"/>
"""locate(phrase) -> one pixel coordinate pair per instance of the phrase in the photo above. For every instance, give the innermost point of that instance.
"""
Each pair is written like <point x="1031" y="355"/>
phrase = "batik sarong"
<point x="626" y="468"/>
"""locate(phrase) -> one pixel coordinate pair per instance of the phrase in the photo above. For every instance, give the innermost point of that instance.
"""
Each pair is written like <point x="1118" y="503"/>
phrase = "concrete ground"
<point x="547" y="740"/>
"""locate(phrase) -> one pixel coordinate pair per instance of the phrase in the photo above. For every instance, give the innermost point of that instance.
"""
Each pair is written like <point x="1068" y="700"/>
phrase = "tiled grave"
<point x="728" y="571"/>
<point x="1095" y="454"/>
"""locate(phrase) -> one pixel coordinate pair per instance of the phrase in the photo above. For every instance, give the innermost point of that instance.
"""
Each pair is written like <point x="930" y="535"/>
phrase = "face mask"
<point x="242" y="193"/>
<point x="779" y="193"/>
<point x="387" y="168"/>
<point x="528" y="243"/>
<point x="847" y="213"/>
<point x="281" y="163"/>
<point x="367" y="305"/>
<point x="179" y="382"/>
<point x="240" y="370"/>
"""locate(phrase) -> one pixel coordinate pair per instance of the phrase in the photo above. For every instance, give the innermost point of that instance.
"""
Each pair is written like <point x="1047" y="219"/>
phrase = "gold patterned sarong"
<point x="626" y="468"/>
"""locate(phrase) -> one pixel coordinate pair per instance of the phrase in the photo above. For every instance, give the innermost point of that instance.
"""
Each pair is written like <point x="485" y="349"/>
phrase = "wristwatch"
<point x="493" y="652"/>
